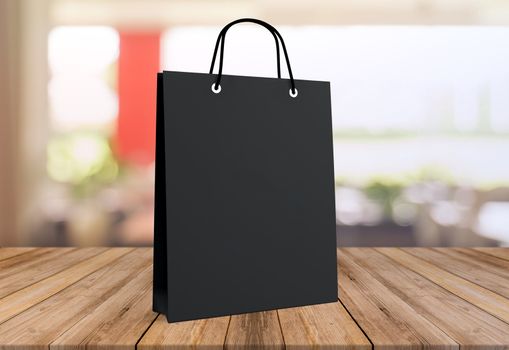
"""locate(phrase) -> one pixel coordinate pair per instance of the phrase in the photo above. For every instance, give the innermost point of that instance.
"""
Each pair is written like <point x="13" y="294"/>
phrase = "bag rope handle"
<point x="221" y="40"/>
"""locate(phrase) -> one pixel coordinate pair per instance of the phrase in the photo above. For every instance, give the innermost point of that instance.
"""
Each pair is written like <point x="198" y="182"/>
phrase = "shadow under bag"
<point x="244" y="192"/>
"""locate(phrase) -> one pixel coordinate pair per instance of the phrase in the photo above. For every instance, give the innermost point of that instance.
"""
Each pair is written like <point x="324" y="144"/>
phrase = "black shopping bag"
<point x="244" y="193"/>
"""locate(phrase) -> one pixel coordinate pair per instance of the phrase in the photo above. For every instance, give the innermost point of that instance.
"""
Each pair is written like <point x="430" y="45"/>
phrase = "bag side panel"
<point x="160" y="287"/>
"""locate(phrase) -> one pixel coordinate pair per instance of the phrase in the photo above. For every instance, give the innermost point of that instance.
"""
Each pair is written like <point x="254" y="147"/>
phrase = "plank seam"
<point x="494" y="268"/>
<point x="442" y="287"/>
<point x="146" y="330"/>
<point x="85" y="315"/>
<point x="62" y="288"/>
<point x="487" y="254"/>
<point x="13" y="256"/>
<point x="226" y="333"/>
<point x="423" y="315"/>
<point x="43" y="258"/>
<point x="281" y="328"/>
<point x="455" y="274"/>
<point x="49" y="276"/>
<point x="357" y="323"/>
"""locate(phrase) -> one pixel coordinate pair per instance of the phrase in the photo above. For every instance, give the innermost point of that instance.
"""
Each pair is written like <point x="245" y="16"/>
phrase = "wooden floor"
<point x="68" y="298"/>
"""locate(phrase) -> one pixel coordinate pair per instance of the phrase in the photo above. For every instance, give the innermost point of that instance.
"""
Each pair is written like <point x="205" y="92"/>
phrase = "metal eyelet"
<point x="214" y="89"/>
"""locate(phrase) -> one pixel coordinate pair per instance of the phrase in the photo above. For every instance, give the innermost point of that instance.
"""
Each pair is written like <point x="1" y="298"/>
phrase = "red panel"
<point x="138" y="65"/>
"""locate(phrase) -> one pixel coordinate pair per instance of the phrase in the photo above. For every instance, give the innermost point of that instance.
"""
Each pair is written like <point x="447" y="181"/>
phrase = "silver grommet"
<point x="214" y="88"/>
<point x="294" y="94"/>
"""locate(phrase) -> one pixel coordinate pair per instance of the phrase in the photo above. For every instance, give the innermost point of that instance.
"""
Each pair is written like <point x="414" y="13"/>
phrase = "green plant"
<point x="84" y="160"/>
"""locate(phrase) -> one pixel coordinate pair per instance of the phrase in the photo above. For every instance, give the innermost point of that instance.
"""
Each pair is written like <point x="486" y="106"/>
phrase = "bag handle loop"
<point x="221" y="36"/>
<point x="221" y="39"/>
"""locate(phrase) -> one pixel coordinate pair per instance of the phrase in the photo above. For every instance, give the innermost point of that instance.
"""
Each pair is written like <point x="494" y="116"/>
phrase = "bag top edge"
<point x="245" y="76"/>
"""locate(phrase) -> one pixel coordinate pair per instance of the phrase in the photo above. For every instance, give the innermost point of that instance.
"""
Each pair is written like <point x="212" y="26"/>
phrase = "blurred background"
<point x="420" y="102"/>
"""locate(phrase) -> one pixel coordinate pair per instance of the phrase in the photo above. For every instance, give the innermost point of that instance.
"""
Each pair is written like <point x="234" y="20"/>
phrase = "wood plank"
<point x="464" y="267"/>
<point x="396" y="297"/>
<point x="255" y="330"/>
<point x="25" y="298"/>
<point x="324" y="326"/>
<point x="38" y="326"/>
<point x="486" y="261"/>
<point x="6" y="253"/>
<point x="119" y="322"/>
<point x="481" y="297"/>
<point x="206" y="334"/>
<point x="497" y="264"/>
<point x="7" y="265"/>
<point x="389" y="322"/>
<point x="35" y="268"/>
<point x="502" y="253"/>
<point x="466" y="324"/>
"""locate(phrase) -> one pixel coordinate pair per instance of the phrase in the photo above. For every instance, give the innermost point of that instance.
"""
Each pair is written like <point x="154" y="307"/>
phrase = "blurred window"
<point x="83" y="104"/>
<point x="82" y="87"/>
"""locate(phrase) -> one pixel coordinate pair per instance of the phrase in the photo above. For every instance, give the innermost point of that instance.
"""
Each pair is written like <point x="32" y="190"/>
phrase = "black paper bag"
<point x="244" y="193"/>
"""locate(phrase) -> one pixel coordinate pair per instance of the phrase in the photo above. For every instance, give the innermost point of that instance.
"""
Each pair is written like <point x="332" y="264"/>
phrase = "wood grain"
<point x="502" y="253"/>
<point x="6" y="253"/>
<point x="388" y="321"/>
<point x="491" y="262"/>
<point x="35" y="293"/>
<point x="258" y="330"/>
<point x="481" y="297"/>
<point x="324" y="326"/>
<point x="465" y="267"/>
<point x="390" y="298"/>
<point x="37" y="327"/>
<point x="130" y="308"/>
<point x="34" y="255"/>
<point x="465" y="323"/>
<point x="206" y="334"/>
<point x="30" y="268"/>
